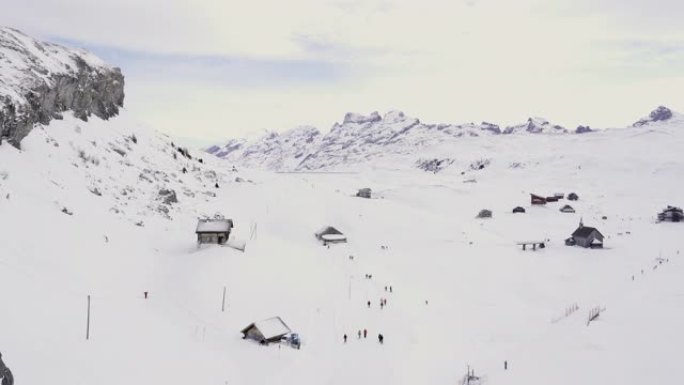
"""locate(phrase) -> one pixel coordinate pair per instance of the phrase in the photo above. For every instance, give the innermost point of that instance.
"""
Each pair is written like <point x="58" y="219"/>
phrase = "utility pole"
<point x="88" y="320"/>
<point x="350" y="279"/>
<point x="223" y="302"/>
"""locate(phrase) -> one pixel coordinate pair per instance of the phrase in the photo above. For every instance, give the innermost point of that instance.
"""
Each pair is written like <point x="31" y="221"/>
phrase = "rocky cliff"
<point x="39" y="81"/>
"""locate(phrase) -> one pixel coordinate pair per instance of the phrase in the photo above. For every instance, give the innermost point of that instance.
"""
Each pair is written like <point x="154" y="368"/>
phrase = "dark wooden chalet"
<point x="671" y="214"/>
<point x="364" y="193"/>
<point x="537" y="199"/>
<point x="585" y="236"/>
<point x="484" y="214"/>
<point x="567" y="209"/>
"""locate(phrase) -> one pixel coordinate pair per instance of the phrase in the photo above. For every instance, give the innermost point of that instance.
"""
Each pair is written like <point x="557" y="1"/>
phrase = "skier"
<point x="359" y="333"/>
<point x="216" y="185"/>
<point x="385" y="288"/>
<point x="505" y="365"/>
<point x="369" y="304"/>
<point x="380" y="338"/>
<point x="390" y="289"/>
<point x="345" y="338"/>
<point x="365" y="333"/>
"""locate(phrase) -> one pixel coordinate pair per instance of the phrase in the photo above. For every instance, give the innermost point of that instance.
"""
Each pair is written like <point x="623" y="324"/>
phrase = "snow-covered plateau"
<point x="106" y="210"/>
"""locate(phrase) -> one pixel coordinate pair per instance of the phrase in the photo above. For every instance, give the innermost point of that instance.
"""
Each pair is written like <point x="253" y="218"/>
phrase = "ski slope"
<point x="463" y="294"/>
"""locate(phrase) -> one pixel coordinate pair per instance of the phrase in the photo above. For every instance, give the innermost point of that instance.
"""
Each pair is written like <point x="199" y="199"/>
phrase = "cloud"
<point x="217" y="70"/>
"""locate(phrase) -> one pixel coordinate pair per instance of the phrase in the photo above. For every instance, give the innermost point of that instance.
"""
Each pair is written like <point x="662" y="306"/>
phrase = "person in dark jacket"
<point x="345" y="338"/>
<point x="5" y="373"/>
<point x="381" y="338"/>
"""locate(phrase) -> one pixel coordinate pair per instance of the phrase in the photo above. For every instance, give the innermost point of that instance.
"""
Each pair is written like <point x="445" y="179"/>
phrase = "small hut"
<point x="567" y="209"/>
<point x="518" y="210"/>
<point x="537" y="199"/>
<point x="213" y="231"/>
<point x="329" y="235"/>
<point x="364" y="193"/>
<point x="572" y="196"/>
<point x="585" y="236"/>
<point x="266" y="331"/>
<point x="671" y="214"/>
<point x="484" y="214"/>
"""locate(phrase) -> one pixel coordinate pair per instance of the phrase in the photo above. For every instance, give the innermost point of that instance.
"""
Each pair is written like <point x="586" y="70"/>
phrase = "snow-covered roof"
<point x="214" y="225"/>
<point x="333" y="237"/>
<point x="272" y="327"/>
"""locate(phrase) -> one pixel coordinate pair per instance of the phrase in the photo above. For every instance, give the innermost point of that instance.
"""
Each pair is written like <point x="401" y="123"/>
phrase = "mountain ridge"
<point x="364" y="138"/>
<point x="39" y="81"/>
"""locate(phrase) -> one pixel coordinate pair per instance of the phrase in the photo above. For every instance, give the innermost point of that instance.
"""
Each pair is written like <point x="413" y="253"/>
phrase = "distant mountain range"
<point x="360" y="138"/>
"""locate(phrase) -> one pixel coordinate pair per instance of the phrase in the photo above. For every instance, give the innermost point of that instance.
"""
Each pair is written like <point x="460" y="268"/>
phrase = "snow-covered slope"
<point x="463" y="293"/>
<point x="39" y="81"/>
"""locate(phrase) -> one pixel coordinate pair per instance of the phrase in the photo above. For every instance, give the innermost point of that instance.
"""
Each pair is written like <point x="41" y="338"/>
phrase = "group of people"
<point x="364" y="333"/>
<point x="383" y="303"/>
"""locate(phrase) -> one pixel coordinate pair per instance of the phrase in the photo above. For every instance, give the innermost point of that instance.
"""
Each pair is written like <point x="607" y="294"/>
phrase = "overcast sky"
<point x="216" y="69"/>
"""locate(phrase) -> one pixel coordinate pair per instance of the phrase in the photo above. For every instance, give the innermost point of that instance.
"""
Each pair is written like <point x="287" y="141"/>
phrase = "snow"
<point x="333" y="237"/>
<point x="272" y="327"/>
<point x="213" y="226"/>
<point x="464" y="294"/>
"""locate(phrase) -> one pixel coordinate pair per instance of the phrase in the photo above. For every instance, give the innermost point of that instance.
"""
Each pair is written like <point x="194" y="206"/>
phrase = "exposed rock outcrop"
<point x="660" y="114"/>
<point x="39" y="81"/>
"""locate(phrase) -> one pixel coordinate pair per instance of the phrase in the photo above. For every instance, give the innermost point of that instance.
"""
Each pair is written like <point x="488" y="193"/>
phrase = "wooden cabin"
<point x="585" y="236"/>
<point x="266" y="331"/>
<point x="518" y="210"/>
<point x="364" y="193"/>
<point x="537" y="199"/>
<point x="484" y="214"/>
<point x="329" y="235"/>
<point x="567" y="209"/>
<point x="671" y="214"/>
<point x="213" y="231"/>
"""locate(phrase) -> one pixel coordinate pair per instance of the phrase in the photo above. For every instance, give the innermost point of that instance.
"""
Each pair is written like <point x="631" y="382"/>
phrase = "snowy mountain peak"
<point x="660" y="114"/>
<point x="536" y="125"/>
<point x="39" y="81"/>
<point x="351" y="117"/>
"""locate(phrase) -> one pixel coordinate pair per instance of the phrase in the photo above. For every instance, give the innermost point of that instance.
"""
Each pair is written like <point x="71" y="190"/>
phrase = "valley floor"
<point x="463" y="294"/>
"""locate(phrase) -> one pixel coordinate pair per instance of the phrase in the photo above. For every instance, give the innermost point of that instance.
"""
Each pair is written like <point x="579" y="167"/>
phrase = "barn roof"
<point x="567" y="209"/>
<point x="585" y="232"/>
<point x="214" y="225"/>
<point x="327" y="230"/>
<point x="270" y="328"/>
